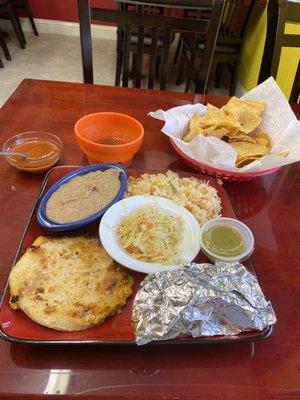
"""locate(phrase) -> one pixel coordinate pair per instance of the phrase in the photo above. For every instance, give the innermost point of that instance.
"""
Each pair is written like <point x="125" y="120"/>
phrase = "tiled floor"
<point x="58" y="57"/>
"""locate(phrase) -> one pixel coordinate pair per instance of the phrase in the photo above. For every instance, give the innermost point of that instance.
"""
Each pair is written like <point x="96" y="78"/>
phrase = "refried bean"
<point x="83" y="196"/>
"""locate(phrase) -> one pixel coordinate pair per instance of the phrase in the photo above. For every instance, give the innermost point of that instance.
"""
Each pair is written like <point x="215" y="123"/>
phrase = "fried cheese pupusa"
<point x="68" y="283"/>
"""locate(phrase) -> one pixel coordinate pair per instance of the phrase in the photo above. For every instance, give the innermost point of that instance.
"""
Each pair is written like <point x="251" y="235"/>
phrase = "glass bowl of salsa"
<point x="42" y="151"/>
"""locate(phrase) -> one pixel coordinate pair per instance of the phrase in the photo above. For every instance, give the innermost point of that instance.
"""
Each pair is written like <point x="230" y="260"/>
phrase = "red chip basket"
<point x="221" y="173"/>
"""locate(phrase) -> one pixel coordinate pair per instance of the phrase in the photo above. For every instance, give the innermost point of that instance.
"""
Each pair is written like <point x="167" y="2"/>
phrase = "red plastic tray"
<point x="17" y="327"/>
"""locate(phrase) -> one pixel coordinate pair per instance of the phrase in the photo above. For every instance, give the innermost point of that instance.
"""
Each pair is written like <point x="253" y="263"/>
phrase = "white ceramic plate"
<point x="112" y="218"/>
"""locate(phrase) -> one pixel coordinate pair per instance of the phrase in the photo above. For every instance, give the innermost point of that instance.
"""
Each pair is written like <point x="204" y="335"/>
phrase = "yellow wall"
<point x="288" y="62"/>
<point x="253" y="51"/>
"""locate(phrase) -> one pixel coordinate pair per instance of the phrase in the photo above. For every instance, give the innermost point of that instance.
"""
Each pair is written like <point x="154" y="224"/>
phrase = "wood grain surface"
<point x="269" y="206"/>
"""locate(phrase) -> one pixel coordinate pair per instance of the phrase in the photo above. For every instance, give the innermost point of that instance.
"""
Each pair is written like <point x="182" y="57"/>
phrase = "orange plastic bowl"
<point x="109" y="137"/>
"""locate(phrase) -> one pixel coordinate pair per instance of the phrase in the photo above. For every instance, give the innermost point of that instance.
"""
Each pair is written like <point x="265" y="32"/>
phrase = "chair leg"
<point x="4" y="47"/>
<point x="16" y="26"/>
<point x="189" y="78"/>
<point x="178" y="50"/>
<point x="295" y="92"/>
<point x="157" y="66"/>
<point x="119" y="67"/>
<point x="119" y="49"/>
<point x="188" y="56"/>
<point x="219" y="72"/>
<point x="1" y="63"/>
<point x="14" y="11"/>
<point x="165" y="60"/>
<point x="29" y="13"/>
<point x="180" y="71"/>
<point x="133" y="66"/>
<point x="233" y="80"/>
<point x="190" y="72"/>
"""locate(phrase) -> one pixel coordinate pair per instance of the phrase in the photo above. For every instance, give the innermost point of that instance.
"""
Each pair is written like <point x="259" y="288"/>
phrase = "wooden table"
<point x="270" y="206"/>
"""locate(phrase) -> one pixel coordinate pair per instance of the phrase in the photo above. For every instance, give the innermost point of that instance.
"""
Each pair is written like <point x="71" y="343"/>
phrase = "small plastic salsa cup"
<point x="215" y="248"/>
<point x="109" y="137"/>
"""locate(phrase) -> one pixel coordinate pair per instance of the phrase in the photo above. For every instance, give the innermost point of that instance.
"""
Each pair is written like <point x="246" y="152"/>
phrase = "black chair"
<point x="230" y="42"/>
<point x="154" y="24"/>
<point x="24" y="6"/>
<point x="280" y="12"/>
<point x="189" y="14"/>
<point x="295" y="92"/>
<point x="8" y="11"/>
<point x="4" y="47"/>
<point x="139" y="9"/>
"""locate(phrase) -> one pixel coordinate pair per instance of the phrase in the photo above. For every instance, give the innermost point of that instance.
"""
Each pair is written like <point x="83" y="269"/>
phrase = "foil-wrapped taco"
<point x="200" y="300"/>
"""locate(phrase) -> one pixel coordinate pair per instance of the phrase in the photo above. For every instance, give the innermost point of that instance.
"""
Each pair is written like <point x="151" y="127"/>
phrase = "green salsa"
<point x="224" y="241"/>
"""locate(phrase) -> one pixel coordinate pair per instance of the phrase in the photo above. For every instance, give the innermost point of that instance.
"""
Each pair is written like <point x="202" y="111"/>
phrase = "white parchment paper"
<point x="278" y="120"/>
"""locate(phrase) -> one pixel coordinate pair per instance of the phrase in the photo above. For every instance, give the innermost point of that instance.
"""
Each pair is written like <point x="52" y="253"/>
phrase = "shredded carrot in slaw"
<point x="150" y="235"/>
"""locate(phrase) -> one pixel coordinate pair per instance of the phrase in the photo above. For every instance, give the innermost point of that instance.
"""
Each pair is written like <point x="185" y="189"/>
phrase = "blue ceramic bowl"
<point x="46" y="223"/>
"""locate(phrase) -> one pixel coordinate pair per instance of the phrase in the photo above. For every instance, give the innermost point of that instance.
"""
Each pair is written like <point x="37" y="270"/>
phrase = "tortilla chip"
<point x="191" y="135"/>
<point x="246" y="161"/>
<point x="216" y="116"/>
<point x="212" y="116"/>
<point x="213" y="110"/>
<point x="247" y="119"/>
<point x="283" y="153"/>
<point x="194" y="128"/>
<point x="194" y="123"/>
<point x="242" y="137"/>
<point x="235" y="122"/>
<point x="257" y="107"/>
<point x="263" y="139"/>
<point x="218" y="133"/>
<point x="232" y="129"/>
<point x="247" y="149"/>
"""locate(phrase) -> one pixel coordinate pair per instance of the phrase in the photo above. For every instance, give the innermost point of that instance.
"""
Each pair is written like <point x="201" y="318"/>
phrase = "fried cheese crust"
<point x="68" y="283"/>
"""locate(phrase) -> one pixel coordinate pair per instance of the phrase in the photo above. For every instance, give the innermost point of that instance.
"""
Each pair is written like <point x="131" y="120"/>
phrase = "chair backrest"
<point x="295" y="92"/>
<point x="140" y="8"/>
<point x="141" y="21"/>
<point x="279" y="12"/>
<point x="235" y="17"/>
<point x="289" y="11"/>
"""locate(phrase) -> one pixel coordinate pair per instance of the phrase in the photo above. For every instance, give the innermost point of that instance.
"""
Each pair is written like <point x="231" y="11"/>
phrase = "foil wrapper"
<point x="200" y="300"/>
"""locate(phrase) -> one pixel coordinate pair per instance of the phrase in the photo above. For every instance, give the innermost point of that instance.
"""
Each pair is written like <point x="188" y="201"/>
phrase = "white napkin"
<point x="278" y="120"/>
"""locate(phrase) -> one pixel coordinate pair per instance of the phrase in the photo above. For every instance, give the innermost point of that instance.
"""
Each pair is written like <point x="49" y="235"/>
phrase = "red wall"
<point x="62" y="10"/>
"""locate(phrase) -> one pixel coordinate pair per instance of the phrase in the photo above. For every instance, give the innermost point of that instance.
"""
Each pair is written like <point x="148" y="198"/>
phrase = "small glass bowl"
<point x="33" y="165"/>
<point x="245" y="232"/>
